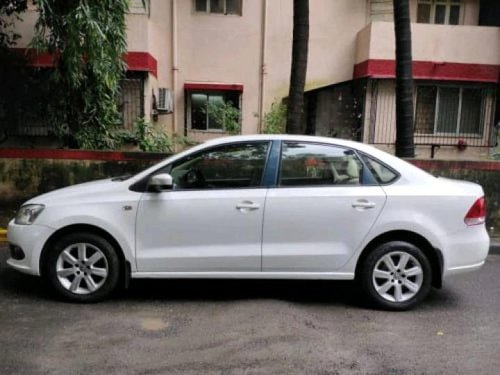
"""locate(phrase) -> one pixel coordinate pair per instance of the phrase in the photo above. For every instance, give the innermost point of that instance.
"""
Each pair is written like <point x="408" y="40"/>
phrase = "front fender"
<point x="117" y="222"/>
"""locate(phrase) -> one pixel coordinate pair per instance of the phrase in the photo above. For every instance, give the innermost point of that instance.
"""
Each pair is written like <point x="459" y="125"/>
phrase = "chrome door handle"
<point x="247" y="206"/>
<point x="363" y="204"/>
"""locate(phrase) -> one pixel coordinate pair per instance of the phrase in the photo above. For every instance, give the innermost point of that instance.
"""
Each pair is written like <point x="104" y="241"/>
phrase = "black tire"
<point x="108" y="260"/>
<point x="377" y="261"/>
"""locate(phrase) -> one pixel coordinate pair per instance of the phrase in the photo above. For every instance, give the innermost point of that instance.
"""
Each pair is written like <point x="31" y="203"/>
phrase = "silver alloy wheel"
<point x="397" y="276"/>
<point x="82" y="268"/>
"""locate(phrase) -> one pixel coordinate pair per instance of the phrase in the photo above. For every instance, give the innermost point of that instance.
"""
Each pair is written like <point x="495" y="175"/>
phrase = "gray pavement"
<point x="249" y="327"/>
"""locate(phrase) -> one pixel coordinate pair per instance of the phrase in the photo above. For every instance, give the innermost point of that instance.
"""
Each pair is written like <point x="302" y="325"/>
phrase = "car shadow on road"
<point x="17" y="285"/>
<point x="306" y="291"/>
<point x="312" y="292"/>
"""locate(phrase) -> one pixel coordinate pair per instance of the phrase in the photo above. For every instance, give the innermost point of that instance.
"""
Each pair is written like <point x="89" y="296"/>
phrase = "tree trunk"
<point x="295" y="112"/>
<point x="404" y="80"/>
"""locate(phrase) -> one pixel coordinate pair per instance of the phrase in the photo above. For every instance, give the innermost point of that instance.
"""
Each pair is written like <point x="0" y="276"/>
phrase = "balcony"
<point x="441" y="52"/>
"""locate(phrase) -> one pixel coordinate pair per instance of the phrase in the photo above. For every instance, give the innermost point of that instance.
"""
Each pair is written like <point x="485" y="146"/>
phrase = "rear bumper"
<point x="31" y="239"/>
<point x="465" y="251"/>
<point x="463" y="269"/>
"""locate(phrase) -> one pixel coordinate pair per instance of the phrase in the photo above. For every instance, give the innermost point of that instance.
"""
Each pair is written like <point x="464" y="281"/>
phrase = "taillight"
<point x="477" y="213"/>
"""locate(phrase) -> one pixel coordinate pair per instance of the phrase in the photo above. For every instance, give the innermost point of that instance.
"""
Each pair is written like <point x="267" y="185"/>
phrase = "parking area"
<point x="247" y="327"/>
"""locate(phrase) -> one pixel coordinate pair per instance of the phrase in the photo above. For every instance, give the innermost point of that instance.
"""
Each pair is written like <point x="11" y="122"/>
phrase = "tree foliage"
<point x="13" y="77"/>
<point x="275" y="119"/>
<point x="87" y="39"/>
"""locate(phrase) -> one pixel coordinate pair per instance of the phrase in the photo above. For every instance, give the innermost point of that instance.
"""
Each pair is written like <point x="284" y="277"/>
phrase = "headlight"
<point x="27" y="214"/>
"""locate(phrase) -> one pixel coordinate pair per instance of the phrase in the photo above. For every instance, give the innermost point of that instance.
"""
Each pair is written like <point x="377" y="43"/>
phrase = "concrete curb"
<point x="495" y="247"/>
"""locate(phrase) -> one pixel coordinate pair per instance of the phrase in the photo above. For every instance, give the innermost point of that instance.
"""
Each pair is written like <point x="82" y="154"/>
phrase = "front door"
<point x="211" y="221"/>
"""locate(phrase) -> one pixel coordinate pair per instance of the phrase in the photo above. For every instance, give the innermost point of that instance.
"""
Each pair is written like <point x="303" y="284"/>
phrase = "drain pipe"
<point x="175" y="68"/>
<point x="262" y="81"/>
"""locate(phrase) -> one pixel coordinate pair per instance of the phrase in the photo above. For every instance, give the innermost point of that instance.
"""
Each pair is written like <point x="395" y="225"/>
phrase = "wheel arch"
<point x="433" y="254"/>
<point x="85" y="228"/>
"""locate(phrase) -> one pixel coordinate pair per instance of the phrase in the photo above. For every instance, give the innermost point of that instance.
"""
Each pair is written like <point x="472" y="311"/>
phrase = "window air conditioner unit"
<point x="165" y="102"/>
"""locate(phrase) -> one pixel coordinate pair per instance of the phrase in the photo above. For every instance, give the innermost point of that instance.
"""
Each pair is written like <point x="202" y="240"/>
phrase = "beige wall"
<point x="218" y="48"/>
<point x="25" y="27"/>
<point x="229" y="49"/>
<point x="160" y="47"/>
<point x="470" y="12"/>
<point x="459" y="44"/>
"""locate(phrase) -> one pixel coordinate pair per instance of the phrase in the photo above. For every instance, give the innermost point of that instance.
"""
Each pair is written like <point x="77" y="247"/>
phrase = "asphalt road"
<point x="249" y="327"/>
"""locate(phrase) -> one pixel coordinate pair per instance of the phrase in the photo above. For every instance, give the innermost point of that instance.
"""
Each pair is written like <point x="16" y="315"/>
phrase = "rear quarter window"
<point x="382" y="173"/>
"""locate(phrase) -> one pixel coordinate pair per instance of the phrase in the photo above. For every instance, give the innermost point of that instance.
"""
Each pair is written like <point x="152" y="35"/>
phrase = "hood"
<point x="83" y="190"/>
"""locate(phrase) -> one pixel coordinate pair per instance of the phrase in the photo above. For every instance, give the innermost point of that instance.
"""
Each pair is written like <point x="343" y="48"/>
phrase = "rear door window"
<point x="311" y="164"/>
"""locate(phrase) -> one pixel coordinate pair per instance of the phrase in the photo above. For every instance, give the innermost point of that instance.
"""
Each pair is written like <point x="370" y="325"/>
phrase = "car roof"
<point x="283" y="137"/>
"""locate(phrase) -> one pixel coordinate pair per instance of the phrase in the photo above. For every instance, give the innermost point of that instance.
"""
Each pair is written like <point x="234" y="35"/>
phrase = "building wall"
<point x="438" y="43"/>
<point x="464" y="54"/>
<point x="232" y="49"/>
<point x="254" y="49"/>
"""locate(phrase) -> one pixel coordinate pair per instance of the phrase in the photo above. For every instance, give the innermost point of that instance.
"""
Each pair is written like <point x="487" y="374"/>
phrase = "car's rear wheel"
<point x="83" y="267"/>
<point x="396" y="275"/>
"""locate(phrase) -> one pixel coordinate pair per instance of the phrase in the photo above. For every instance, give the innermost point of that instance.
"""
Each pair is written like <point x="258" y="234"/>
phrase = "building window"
<point x="200" y="104"/>
<point x="448" y="110"/>
<point x="443" y="12"/>
<point x="219" y="6"/>
<point x="131" y="100"/>
<point x="139" y="6"/>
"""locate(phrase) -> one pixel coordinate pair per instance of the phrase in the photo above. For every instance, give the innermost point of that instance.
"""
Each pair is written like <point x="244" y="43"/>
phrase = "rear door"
<point x="323" y="207"/>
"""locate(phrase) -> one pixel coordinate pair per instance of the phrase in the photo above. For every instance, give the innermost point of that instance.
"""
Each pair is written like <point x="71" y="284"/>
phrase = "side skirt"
<point x="245" y="275"/>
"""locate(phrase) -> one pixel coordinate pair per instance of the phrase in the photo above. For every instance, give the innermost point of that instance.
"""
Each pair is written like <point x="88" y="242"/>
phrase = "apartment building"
<point x="184" y="54"/>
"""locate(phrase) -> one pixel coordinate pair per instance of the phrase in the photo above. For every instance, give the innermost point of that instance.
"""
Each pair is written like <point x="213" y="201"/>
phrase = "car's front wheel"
<point x="83" y="267"/>
<point x="396" y="275"/>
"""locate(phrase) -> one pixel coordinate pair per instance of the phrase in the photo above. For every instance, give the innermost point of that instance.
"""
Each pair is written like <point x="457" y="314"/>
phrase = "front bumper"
<point x="31" y="239"/>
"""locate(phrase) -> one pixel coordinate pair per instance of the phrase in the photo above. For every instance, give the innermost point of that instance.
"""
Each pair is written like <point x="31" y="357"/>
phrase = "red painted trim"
<point x="37" y="59"/>
<point x="136" y="61"/>
<point x="142" y="62"/>
<point x="433" y="70"/>
<point x="17" y="153"/>
<point x="457" y="164"/>
<point x="213" y="86"/>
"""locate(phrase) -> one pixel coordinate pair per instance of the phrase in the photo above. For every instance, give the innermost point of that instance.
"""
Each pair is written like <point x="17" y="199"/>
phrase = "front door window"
<point x="233" y="166"/>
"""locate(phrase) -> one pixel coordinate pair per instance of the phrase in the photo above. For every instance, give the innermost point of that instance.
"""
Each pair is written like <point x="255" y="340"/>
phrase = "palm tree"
<point x="295" y="112"/>
<point x="404" y="80"/>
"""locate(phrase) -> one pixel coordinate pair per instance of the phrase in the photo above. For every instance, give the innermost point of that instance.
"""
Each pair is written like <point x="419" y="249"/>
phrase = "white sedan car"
<point x="274" y="207"/>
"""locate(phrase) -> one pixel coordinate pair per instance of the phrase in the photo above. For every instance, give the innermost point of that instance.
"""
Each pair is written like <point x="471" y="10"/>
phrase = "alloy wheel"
<point x="397" y="276"/>
<point x="82" y="268"/>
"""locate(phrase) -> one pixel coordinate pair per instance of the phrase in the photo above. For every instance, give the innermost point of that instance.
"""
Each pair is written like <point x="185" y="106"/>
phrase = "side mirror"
<point x="161" y="182"/>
